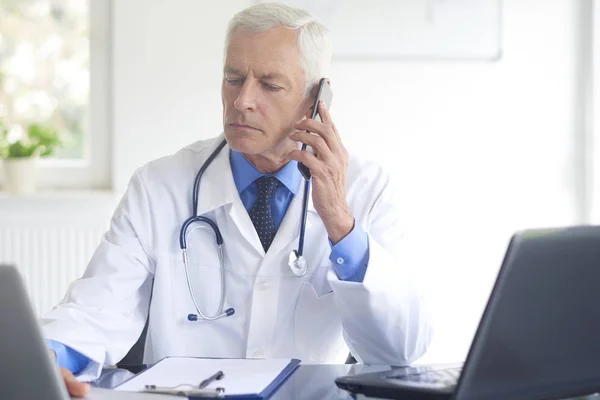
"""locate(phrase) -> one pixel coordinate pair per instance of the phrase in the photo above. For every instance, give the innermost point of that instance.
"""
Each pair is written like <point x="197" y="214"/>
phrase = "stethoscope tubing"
<point x="219" y="239"/>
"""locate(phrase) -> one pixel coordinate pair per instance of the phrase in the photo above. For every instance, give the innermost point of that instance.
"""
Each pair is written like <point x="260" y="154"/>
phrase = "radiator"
<point x="49" y="256"/>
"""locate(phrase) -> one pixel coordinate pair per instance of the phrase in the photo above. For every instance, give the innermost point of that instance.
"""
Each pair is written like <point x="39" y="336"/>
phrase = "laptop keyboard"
<point x="445" y="377"/>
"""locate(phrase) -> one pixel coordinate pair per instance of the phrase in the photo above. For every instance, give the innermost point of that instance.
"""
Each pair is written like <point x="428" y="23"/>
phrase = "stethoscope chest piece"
<point x="297" y="263"/>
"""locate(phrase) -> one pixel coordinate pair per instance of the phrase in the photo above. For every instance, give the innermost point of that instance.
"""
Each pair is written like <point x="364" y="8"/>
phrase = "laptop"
<point x="28" y="370"/>
<point x="538" y="338"/>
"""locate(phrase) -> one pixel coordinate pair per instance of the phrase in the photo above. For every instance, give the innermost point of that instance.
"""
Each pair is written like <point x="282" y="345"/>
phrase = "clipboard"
<point x="179" y="376"/>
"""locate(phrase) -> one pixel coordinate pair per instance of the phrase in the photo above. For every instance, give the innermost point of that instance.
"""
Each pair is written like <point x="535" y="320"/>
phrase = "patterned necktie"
<point x="260" y="214"/>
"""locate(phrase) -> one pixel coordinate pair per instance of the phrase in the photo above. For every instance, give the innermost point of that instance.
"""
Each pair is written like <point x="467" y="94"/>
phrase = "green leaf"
<point x="20" y="150"/>
<point x="40" y="140"/>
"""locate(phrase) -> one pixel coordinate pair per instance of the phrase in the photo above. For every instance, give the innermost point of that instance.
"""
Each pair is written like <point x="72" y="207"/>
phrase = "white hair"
<point x="314" y="44"/>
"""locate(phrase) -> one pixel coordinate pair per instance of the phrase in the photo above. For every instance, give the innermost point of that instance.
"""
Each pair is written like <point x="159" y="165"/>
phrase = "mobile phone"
<point x="324" y="94"/>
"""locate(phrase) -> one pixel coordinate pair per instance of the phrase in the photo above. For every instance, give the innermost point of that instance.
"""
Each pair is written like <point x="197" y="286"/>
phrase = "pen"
<point x="186" y="390"/>
<point x="215" y="377"/>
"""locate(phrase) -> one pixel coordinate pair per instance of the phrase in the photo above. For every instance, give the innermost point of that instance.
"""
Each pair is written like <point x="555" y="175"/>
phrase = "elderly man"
<point x="355" y="296"/>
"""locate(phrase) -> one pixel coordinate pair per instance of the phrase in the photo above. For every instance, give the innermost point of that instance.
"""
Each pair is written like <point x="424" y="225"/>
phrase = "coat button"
<point x="257" y="354"/>
<point x="262" y="285"/>
<point x="340" y="260"/>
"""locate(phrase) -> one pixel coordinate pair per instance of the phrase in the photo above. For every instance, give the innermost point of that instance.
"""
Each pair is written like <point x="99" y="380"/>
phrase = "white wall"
<point x="479" y="149"/>
<point x="483" y="149"/>
<point x="167" y="77"/>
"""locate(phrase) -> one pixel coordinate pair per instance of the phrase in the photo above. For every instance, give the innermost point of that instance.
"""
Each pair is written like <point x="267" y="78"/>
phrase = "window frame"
<point x="93" y="171"/>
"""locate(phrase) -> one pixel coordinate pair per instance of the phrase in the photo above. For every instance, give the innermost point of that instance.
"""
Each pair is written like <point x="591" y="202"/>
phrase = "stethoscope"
<point x="296" y="260"/>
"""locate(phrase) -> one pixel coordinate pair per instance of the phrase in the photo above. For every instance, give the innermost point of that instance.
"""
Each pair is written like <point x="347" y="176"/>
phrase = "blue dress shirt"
<point x="349" y="256"/>
<point x="68" y="358"/>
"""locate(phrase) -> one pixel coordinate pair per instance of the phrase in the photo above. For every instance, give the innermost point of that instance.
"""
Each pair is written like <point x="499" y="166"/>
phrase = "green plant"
<point x="3" y="140"/>
<point x="39" y="140"/>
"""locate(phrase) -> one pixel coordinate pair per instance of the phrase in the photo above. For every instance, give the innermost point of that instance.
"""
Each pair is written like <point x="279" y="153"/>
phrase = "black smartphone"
<point x="324" y="94"/>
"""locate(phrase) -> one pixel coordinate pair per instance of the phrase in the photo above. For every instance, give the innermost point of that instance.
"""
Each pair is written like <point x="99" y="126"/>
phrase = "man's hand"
<point x="74" y="387"/>
<point x="328" y="170"/>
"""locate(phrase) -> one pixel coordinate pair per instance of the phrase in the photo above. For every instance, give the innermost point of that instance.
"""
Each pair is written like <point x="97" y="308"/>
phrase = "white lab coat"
<point x="316" y="318"/>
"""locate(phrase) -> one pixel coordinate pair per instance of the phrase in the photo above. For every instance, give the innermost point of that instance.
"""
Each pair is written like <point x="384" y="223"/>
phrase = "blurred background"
<point x="482" y="110"/>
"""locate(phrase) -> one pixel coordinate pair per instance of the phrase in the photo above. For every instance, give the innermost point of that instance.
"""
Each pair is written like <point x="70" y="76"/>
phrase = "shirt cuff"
<point x="350" y="256"/>
<point x="68" y="358"/>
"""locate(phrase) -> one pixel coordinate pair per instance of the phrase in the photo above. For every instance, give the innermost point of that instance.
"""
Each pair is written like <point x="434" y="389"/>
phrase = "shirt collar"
<point x="244" y="173"/>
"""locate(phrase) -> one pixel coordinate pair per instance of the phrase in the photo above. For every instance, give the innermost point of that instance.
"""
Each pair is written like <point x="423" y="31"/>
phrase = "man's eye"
<point x="270" y="87"/>
<point x="234" y="81"/>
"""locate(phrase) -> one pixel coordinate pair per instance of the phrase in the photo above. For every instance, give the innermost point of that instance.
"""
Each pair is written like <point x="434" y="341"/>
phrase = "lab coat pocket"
<point x="319" y="282"/>
<point x="317" y="325"/>
<point x="173" y="303"/>
<point x="204" y="279"/>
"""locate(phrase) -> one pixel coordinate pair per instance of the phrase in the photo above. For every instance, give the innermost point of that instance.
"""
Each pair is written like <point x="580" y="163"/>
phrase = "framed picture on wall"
<point x="410" y="29"/>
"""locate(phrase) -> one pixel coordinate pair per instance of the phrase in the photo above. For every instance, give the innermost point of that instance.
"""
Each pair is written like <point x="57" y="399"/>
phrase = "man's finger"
<point x="74" y="387"/>
<point x="325" y="131"/>
<point x="306" y="158"/>
<point x="314" y="141"/>
<point x="324" y="113"/>
<point x="326" y="118"/>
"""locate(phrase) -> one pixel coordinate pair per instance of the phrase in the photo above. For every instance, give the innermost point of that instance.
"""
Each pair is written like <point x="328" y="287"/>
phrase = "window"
<point x="54" y="68"/>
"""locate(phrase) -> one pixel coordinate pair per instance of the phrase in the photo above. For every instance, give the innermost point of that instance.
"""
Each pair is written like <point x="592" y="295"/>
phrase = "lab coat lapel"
<point x="242" y="220"/>
<point x="217" y="189"/>
<point x="289" y="230"/>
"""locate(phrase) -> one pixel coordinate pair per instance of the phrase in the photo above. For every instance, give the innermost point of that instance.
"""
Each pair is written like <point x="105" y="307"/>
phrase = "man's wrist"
<point x="339" y="226"/>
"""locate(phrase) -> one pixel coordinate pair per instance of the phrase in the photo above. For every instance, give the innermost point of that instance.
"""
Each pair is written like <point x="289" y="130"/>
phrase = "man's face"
<point x="262" y="91"/>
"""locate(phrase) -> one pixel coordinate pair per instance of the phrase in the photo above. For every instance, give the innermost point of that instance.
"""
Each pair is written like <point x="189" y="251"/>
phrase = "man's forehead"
<point x="270" y="53"/>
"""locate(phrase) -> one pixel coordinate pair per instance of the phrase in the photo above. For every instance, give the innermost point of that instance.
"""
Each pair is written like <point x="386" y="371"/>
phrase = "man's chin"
<point x="243" y="143"/>
<point x="256" y="144"/>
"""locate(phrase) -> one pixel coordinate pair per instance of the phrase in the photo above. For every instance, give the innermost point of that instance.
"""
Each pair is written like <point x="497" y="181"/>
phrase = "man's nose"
<point x="246" y="99"/>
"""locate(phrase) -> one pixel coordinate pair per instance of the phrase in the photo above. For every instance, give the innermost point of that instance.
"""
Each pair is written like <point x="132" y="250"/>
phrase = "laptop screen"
<point x="540" y="334"/>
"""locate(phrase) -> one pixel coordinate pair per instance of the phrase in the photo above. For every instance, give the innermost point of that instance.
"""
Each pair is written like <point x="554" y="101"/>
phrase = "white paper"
<point x="241" y="376"/>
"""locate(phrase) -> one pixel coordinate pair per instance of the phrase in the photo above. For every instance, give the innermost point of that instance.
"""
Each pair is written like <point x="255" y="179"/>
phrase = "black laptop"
<point x="538" y="338"/>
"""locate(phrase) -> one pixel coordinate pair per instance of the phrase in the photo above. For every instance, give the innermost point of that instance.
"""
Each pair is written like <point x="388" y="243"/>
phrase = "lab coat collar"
<point x="217" y="187"/>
